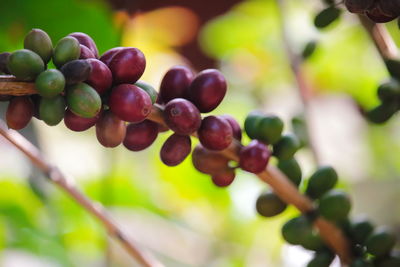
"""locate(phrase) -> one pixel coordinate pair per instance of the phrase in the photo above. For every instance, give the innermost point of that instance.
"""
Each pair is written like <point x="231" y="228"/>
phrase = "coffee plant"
<point x="87" y="90"/>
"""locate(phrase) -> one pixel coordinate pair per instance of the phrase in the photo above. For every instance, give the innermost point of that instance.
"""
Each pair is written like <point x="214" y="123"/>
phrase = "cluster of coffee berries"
<point x="379" y="11"/>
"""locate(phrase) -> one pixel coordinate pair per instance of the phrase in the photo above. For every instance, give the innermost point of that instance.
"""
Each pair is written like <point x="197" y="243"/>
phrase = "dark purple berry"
<point x="127" y="65"/>
<point x="87" y="41"/>
<point x="237" y="131"/>
<point x="100" y="77"/>
<point x="77" y="123"/>
<point x="254" y="157"/>
<point x="358" y="6"/>
<point x="215" y="133"/>
<point x="207" y="161"/>
<point x="175" y="83"/>
<point x="224" y="178"/>
<point x="175" y="149"/>
<point x="140" y="135"/>
<point x="86" y="53"/>
<point x="19" y="112"/>
<point x="182" y="116"/>
<point x="207" y="90"/>
<point x="110" y="130"/>
<point x="130" y="103"/>
<point x="377" y="15"/>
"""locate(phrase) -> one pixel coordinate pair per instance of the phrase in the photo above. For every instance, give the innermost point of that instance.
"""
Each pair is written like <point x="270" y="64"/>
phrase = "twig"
<point x="304" y="89"/>
<point x="381" y="38"/>
<point x="96" y="209"/>
<point x="273" y="176"/>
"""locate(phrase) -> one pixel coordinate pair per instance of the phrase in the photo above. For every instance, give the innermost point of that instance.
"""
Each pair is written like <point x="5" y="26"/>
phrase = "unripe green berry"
<point x="269" y="204"/>
<point x="39" y="42"/>
<point x="286" y="147"/>
<point x="334" y="205"/>
<point x="323" y="180"/>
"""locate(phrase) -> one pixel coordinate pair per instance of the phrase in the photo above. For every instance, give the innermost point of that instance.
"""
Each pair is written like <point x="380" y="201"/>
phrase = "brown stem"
<point x="303" y="87"/>
<point x="96" y="209"/>
<point x="273" y="176"/>
<point x="381" y="38"/>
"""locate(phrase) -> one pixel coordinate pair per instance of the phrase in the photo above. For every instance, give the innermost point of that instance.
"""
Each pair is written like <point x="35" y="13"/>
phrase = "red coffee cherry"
<point x="224" y="178"/>
<point x="127" y="65"/>
<point x="175" y="83"/>
<point x="86" y="53"/>
<point x="87" y="41"/>
<point x="140" y="135"/>
<point x="175" y="149"/>
<point x="254" y="157"/>
<point x="78" y="124"/>
<point x="109" y="54"/>
<point x="182" y="116"/>
<point x="207" y="161"/>
<point x="207" y="90"/>
<point x="130" y="103"/>
<point x="237" y="131"/>
<point x="110" y="130"/>
<point x="19" y="112"/>
<point x="215" y="133"/>
<point x="100" y="77"/>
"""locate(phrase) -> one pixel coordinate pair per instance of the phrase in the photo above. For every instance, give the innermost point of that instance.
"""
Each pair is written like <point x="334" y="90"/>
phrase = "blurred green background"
<point x="177" y="213"/>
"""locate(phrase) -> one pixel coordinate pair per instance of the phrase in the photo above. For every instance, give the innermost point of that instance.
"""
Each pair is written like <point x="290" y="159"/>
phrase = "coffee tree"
<point x="87" y="90"/>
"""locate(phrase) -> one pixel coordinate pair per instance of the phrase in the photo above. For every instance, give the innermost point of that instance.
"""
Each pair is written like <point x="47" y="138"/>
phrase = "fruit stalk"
<point x="96" y="209"/>
<point x="304" y="89"/>
<point x="381" y="38"/>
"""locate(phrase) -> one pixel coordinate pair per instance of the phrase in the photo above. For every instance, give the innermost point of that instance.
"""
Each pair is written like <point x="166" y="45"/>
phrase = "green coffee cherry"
<point x="291" y="168"/>
<point x="50" y="83"/>
<point x="383" y="112"/>
<point x="321" y="259"/>
<point x="149" y="90"/>
<point x="67" y="49"/>
<point x="39" y="42"/>
<point x="380" y="242"/>
<point x="389" y="90"/>
<point x="269" y="204"/>
<point x="286" y="147"/>
<point x="334" y="205"/>
<point x="299" y="231"/>
<point x="251" y="124"/>
<point x="361" y="263"/>
<point x="360" y="230"/>
<point x="299" y="126"/>
<point x="83" y="100"/>
<point x="327" y="17"/>
<point x="323" y="180"/>
<point x="269" y="129"/>
<point x="393" y="66"/>
<point x="309" y="49"/>
<point x="25" y="65"/>
<point x="51" y="110"/>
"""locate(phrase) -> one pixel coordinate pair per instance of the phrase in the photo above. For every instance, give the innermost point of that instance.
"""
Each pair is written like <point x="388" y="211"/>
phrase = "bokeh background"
<point x="177" y="213"/>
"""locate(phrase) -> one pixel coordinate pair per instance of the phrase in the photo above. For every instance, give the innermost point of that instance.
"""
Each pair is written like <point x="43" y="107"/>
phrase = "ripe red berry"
<point x="237" y="131"/>
<point x="175" y="83"/>
<point x="19" y="112"/>
<point x="207" y="161"/>
<point x="254" y="157"/>
<point x="87" y="41"/>
<point x="110" y="130"/>
<point x="224" y="178"/>
<point x="215" y="133"/>
<point x="127" y="65"/>
<point x="130" y="103"/>
<point x="140" y="135"/>
<point x="207" y="90"/>
<point x="77" y="123"/>
<point x="86" y="53"/>
<point x="175" y="149"/>
<point x="100" y="77"/>
<point x="182" y="116"/>
<point x="109" y="54"/>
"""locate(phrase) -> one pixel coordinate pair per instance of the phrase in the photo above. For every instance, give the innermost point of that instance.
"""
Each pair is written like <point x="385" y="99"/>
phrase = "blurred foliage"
<point x="247" y="43"/>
